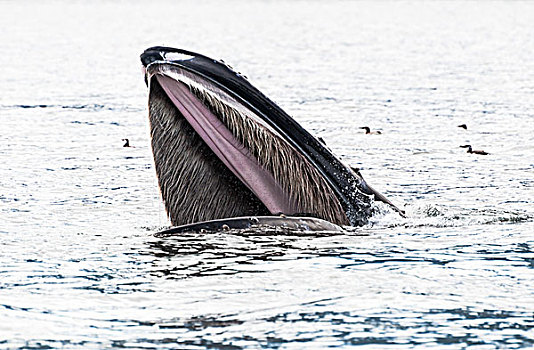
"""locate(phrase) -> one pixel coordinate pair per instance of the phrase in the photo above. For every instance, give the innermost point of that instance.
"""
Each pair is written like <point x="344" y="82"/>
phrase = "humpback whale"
<point x="223" y="150"/>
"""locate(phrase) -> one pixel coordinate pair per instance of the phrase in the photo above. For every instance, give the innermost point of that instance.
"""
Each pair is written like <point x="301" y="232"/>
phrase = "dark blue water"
<point x="80" y="267"/>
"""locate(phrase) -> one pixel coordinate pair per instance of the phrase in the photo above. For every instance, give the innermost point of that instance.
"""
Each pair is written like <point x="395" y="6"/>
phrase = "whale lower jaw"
<point x="257" y="224"/>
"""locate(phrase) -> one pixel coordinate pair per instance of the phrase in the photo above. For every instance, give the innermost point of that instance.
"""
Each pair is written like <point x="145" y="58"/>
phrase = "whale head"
<point x="223" y="149"/>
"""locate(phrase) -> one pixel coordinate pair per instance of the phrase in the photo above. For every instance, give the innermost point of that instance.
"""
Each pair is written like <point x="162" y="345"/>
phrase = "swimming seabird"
<point x="368" y="131"/>
<point x="470" y="150"/>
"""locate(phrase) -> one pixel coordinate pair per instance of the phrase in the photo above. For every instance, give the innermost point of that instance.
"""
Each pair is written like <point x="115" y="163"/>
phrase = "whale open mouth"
<point x="222" y="149"/>
<point x="215" y="117"/>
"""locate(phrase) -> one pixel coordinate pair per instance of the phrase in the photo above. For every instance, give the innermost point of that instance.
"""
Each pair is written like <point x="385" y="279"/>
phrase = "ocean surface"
<point x="80" y="267"/>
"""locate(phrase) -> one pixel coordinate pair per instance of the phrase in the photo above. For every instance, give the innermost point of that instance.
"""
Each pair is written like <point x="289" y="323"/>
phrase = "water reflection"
<point x="234" y="251"/>
<point x="434" y="327"/>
